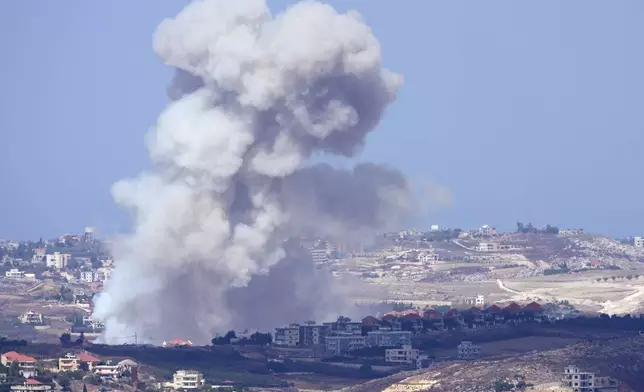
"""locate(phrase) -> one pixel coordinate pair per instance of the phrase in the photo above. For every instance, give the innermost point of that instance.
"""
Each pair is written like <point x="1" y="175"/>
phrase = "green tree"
<point x="65" y="339"/>
<point x="629" y="277"/>
<point x="613" y="278"/>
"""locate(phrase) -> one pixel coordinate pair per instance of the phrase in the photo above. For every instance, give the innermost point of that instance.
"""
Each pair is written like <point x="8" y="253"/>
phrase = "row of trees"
<point x="258" y="338"/>
<point x="614" y="278"/>
<point x="529" y="228"/>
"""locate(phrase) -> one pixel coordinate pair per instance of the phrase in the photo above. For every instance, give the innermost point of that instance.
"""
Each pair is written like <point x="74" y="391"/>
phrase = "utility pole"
<point x="135" y="339"/>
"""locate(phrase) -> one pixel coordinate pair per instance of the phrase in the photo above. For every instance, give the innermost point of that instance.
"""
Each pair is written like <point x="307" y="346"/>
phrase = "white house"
<point x="14" y="274"/>
<point x="427" y="257"/>
<point x="187" y="379"/>
<point x="406" y="354"/>
<point x="638" y="242"/>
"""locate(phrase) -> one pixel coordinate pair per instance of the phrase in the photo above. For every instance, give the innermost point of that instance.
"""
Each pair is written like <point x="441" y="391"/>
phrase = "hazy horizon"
<point x="524" y="111"/>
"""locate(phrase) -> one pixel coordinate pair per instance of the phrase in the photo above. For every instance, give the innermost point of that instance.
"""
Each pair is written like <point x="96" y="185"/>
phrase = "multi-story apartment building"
<point x="577" y="380"/>
<point x="319" y="255"/>
<point x="288" y="336"/>
<point x="311" y="334"/>
<point x="342" y="344"/>
<point x="406" y="354"/>
<point x="388" y="338"/>
<point x="57" y="260"/>
<point x="638" y="242"/>
<point x="344" y="325"/>
<point x="87" y="276"/>
<point x="187" y="379"/>
<point x="466" y="350"/>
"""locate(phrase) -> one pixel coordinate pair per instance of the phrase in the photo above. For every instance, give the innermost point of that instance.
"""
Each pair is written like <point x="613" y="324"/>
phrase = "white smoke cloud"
<point x="254" y="96"/>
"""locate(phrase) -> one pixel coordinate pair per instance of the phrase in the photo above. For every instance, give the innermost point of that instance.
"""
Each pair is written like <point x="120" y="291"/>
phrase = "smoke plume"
<point x="254" y="96"/>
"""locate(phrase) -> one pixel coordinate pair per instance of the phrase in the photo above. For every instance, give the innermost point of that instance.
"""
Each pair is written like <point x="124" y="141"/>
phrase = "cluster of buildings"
<point x="579" y="381"/>
<point x="394" y="330"/>
<point x="71" y="362"/>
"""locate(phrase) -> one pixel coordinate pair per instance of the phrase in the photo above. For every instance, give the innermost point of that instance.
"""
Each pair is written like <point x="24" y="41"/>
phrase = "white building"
<point x="479" y="301"/>
<point x="571" y="231"/>
<point x="427" y="257"/>
<point x="39" y="254"/>
<point x="87" y="276"/>
<point x="388" y="338"/>
<point x="14" y="274"/>
<point x="319" y="255"/>
<point x="187" y="379"/>
<point x="288" y="336"/>
<point x="577" y="380"/>
<point x="486" y="230"/>
<point x="341" y="344"/>
<point x="406" y="354"/>
<point x="30" y="317"/>
<point x="638" y="242"/>
<point x="466" y="350"/>
<point x="57" y="260"/>
<point x="434" y="228"/>
<point x="487" y="247"/>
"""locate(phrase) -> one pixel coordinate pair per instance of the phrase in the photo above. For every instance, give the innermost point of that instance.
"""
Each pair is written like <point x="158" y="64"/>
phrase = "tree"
<point x="599" y="280"/>
<point x="65" y="339"/>
<point x="605" y="278"/>
<point x="520" y="227"/>
<point x="84" y="366"/>
<point x="81" y="339"/>
<point x="629" y="277"/>
<point x="613" y="278"/>
<point x="14" y="369"/>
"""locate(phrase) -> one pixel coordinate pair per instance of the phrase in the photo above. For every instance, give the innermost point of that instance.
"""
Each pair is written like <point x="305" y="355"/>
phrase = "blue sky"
<point x="526" y="111"/>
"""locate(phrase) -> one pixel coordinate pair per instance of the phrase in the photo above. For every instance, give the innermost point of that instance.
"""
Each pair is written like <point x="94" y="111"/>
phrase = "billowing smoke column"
<point x="254" y="96"/>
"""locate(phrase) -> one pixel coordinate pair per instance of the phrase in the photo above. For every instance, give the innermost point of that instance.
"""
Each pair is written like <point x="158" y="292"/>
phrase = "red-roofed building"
<point x="432" y="314"/>
<point x="370" y="320"/>
<point x="533" y="307"/>
<point x="390" y="316"/>
<point x="493" y="309"/>
<point x="177" y="342"/>
<point x="26" y="363"/>
<point x="513" y="307"/>
<point x="493" y="315"/>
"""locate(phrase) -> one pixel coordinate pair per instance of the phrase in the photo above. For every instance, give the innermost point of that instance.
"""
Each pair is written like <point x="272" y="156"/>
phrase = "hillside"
<point x="622" y="359"/>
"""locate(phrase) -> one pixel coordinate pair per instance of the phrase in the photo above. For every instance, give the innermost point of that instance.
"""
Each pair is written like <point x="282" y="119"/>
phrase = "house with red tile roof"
<point x="26" y="363"/>
<point x="492" y="309"/>
<point x="370" y="320"/>
<point x="177" y="342"/>
<point x="533" y="307"/>
<point x="513" y="307"/>
<point x="431" y="314"/>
